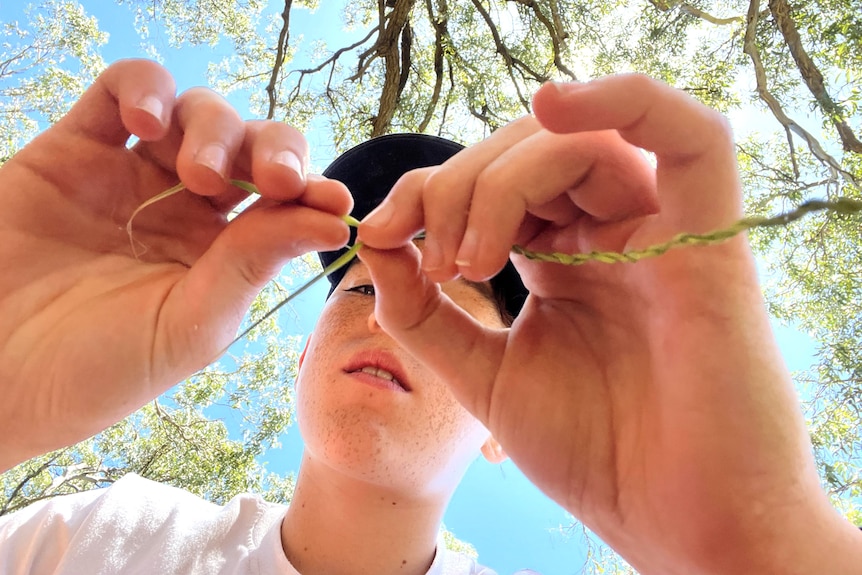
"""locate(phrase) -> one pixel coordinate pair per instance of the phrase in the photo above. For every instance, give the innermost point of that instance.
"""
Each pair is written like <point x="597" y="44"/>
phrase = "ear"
<point x="493" y="451"/>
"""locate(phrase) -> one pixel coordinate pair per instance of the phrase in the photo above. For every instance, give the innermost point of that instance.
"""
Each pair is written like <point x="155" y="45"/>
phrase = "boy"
<point x="649" y="399"/>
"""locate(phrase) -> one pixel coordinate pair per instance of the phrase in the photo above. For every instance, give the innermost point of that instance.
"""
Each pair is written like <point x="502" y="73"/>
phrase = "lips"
<point x="380" y="365"/>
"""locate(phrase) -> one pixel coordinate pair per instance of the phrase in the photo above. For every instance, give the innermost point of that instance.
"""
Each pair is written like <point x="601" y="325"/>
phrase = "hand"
<point x="89" y="330"/>
<point x="648" y="399"/>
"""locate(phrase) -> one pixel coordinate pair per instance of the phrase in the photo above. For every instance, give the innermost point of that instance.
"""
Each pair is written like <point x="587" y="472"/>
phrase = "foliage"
<point x="788" y="75"/>
<point x="45" y="64"/>
<point x="205" y="436"/>
<point x="454" y="544"/>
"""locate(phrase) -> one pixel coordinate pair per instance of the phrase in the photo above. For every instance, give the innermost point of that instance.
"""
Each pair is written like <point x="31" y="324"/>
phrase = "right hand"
<point x="648" y="399"/>
<point x="89" y="331"/>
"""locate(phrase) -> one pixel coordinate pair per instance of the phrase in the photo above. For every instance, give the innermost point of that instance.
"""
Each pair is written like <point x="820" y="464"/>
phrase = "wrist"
<point x="812" y="541"/>
<point x="798" y="539"/>
<point x="826" y="544"/>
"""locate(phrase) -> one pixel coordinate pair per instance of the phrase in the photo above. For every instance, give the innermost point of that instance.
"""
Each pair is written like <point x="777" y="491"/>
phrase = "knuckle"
<point x="128" y="65"/>
<point x="254" y="272"/>
<point x="409" y="188"/>
<point x="203" y="103"/>
<point x="491" y="179"/>
<point x="719" y="123"/>
<point x="439" y="183"/>
<point x="270" y="134"/>
<point x="641" y="80"/>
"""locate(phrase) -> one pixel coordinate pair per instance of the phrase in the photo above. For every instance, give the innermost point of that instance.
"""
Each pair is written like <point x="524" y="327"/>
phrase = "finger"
<point x="411" y="198"/>
<point x="129" y="97"/>
<point x="431" y="327"/>
<point x="448" y="197"/>
<point x="326" y="195"/>
<point x="204" y="138"/>
<point x="557" y="178"/>
<point x="400" y="216"/>
<point x="274" y="157"/>
<point x="322" y="194"/>
<point x="602" y="175"/>
<point x="213" y="134"/>
<point x="278" y="157"/>
<point x="252" y="249"/>
<point x="446" y="194"/>
<point x="693" y="144"/>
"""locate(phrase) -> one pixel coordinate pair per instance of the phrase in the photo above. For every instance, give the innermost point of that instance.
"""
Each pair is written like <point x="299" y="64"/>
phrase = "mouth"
<point x="379" y="369"/>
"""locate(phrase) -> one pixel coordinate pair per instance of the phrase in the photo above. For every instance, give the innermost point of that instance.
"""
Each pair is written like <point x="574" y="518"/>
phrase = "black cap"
<point x="369" y="171"/>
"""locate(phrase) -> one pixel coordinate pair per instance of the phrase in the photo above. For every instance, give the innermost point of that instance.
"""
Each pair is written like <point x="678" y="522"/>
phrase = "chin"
<point x="356" y="443"/>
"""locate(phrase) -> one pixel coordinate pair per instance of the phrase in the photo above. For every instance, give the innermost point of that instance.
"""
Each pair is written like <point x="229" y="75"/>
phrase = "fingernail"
<point x="467" y="251"/>
<point x="381" y="215"/>
<point x="152" y="106"/>
<point x="432" y="255"/>
<point x="291" y="161"/>
<point x="214" y="157"/>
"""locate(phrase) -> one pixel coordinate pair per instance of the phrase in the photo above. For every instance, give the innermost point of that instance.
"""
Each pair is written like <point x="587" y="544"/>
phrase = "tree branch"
<point x="29" y="477"/>
<point x="440" y="31"/>
<point x="687" y="8"/>
<point x="331" y="60"/>
<point x="811" y="74"/>
<point x="448" y="98"/>
<point x="165" y="417"/>
<point x="790" y="145"/>
<point x="555" y="33"/>
<point x="387" y="45"/>
<point x="504" y="52"/>
<point x="281" y="49"/>
<point x="375" y="50"/>
<point x="406" y="49"/>
<point x="750" y="48"/>
<point x="558" y="20"/>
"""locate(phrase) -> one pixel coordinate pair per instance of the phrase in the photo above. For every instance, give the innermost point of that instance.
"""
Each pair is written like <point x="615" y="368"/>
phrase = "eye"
<point x="364" y="289"/>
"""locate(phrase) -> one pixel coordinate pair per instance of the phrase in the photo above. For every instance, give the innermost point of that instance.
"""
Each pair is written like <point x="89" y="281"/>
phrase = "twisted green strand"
<point x="845" y="206"/>
<point x="840" y="205"/>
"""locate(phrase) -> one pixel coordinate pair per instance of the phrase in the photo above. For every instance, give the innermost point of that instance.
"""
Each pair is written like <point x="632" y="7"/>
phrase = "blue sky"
<point x="510" y="522"/>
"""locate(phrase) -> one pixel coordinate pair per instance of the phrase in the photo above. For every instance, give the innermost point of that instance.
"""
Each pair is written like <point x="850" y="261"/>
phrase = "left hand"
<point x="91" y="329"/>
<point x="648" y="399"/>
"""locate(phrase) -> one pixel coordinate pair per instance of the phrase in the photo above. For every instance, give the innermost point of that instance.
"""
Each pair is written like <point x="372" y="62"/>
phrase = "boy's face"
<point x="410" y="434"/>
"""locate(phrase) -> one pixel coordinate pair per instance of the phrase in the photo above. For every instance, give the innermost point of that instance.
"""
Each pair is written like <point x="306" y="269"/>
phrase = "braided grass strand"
<point x="841" y="205"/>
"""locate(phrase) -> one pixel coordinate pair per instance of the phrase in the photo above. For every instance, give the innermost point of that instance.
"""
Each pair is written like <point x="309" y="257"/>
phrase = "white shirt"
<point x="137" y="526"/>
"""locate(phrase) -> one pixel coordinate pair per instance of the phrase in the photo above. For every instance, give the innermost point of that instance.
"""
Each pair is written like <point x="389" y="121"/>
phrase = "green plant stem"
<point x="342" y="261"/>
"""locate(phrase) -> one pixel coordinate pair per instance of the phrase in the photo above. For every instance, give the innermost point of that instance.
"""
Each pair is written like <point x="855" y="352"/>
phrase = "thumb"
<point x="203" y="312"/>
<point x="427" y="324"/>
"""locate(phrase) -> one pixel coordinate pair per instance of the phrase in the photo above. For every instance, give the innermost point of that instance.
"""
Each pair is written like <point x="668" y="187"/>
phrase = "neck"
<point x="338" y="525"/>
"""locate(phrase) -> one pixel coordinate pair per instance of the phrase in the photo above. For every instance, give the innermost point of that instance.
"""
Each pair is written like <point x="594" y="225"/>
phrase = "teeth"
<point x="379" y="373"/>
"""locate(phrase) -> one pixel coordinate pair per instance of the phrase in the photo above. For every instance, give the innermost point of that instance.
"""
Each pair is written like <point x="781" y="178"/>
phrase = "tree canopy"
<point x="789" y="75"/>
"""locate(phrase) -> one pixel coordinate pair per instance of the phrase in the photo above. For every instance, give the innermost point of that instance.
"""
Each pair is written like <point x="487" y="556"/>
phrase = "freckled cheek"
<point x="449" y="422"/>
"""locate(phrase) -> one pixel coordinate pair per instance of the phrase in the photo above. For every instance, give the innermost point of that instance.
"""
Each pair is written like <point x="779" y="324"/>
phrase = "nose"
<point x="373" y="326"/>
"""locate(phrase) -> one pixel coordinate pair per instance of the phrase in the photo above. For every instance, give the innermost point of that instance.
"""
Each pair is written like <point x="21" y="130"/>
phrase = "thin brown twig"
<point x="280" y="55"/>
<point x="504" y="52"/>
<point x="440" y="32"/>
<point x="555" y="33"/>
